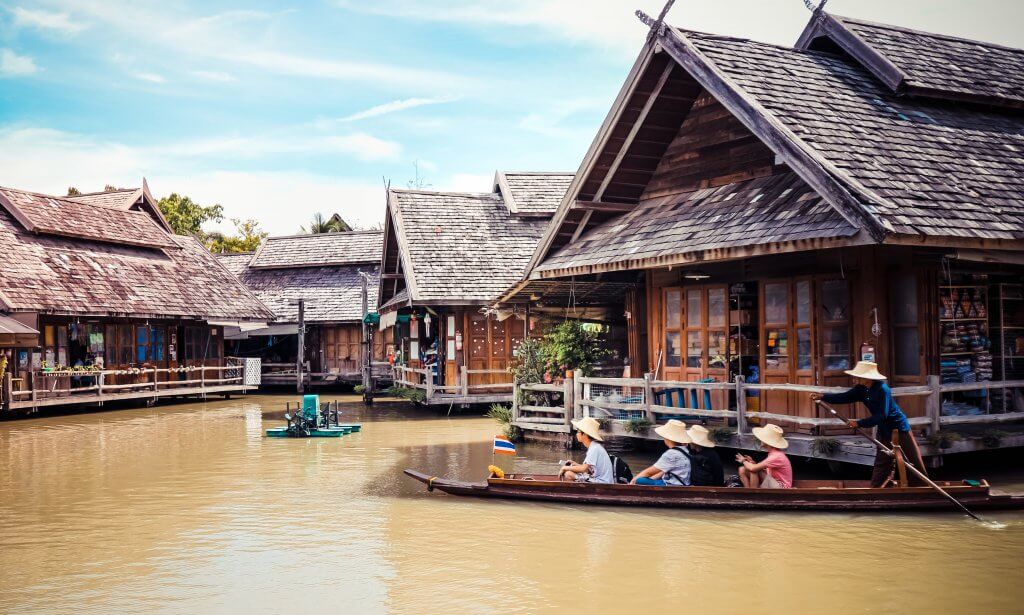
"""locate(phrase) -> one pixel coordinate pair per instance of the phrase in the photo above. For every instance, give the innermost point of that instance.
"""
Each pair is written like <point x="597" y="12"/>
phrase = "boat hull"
<point x="815" y="496"/>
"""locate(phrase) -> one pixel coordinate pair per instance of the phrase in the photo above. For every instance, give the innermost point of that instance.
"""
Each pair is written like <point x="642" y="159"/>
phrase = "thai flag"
<point x="503" y="446"/>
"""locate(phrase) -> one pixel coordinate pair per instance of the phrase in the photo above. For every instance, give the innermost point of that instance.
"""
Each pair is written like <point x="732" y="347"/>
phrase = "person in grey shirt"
<point x="673" y="467"/>
<point x="597" y="465"/>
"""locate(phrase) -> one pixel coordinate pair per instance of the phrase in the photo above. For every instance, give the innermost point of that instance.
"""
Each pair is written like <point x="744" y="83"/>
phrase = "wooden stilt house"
<point x="326" y="273"/>
<point x="102" y="302"/>
<point x="447" y="256"/>
<point x="794" y="210"/>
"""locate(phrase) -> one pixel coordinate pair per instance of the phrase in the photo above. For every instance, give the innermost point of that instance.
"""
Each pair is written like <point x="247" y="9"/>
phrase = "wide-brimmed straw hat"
<point x="589" y="426"/>
<point x="770" y="435"/>
<point x="866" y="369"/>
<point x="674" y="430"/>
<point x="700" y="436"/>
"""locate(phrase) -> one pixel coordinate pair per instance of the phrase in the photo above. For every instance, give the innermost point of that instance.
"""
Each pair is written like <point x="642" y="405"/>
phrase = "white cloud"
<point x="395" y="106"/>
<point x="13" y="65"/>
<point x="150" y="77"/>
<point x="49" y="161"/>
<point x="549" y="121"/>
<point x="468" y="182"/>
<point x="46" y="20"/>
<point x="214" y="76"/>
<point x="359" y="145"/>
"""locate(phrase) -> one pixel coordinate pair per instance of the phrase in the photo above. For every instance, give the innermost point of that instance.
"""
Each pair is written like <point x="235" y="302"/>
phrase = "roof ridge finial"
<point x="815" y="9"/>
<point x="657" y="25"/>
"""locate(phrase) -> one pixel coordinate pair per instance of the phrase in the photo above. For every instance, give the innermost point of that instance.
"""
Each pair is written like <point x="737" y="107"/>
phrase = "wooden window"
<point x="776" y="326"/>
<point x="142" y="354"/>
<point x="718" y="335"/>
<point x="110" y="345"/>
<point x="125" y="343"/>
<point x="802" y="325"/>
<point x="673" y="321"/>
<point x="906" y="345"/>
<point x="835" y="325"/>
<point x="695" y="330"/>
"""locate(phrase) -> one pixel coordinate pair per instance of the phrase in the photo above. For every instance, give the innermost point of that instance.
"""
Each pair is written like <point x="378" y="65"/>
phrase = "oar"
<point x="888" y="451"/>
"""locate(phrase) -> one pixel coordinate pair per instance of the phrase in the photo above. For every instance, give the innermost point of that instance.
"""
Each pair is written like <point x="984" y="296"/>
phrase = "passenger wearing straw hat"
<point x="705" y="464"/>
<point x="673" y="467"/>
<point x="597" y="465"/>
<point x="775" y="471"/>
<point x="871" y="390"/>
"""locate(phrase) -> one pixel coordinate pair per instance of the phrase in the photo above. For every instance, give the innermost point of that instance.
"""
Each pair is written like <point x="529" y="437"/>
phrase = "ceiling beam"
<point x="604" y="206"/>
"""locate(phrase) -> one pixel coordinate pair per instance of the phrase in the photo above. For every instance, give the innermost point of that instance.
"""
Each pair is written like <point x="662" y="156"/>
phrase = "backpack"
<point x="620" y="470"/>
<point x="702" y="472"/>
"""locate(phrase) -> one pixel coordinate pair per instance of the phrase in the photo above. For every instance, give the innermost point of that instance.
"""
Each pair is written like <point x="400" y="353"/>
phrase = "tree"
<point x="334" y="224"/>
<point x="418" y="182"/>
<point x="247" y="238"/>
<point x="110" y="188"/>
<point x="186" y="216"/>
<point x="72" y="191"/>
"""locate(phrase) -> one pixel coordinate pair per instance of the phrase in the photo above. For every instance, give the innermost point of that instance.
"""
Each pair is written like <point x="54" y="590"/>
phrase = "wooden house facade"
<point x="328" y="273"/>
<point x="107" y="303"/>
<point x="446" y="257"/>
<point x="793" y="210"/>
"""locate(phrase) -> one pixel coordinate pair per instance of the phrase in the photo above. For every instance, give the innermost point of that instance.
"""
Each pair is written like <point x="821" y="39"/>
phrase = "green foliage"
<point x="414" y="395"/>
<point x="3" y="366"/>
<point x="603" y="423"/>
<point x="500" y="413"/>
<point x="187" y="217"/>
<point x="319" y="225"/>
<point x="720" y="435"/>
<point x="528" y="368"/>
<point x="247" y="238"/>
<point x="944" y="439"/>
<point x="572" y="345"/>
<point x="72" y="191"/>
<point x="359" y="389"/>
<point x="637" y="426"/>
<point x="825" y="446"/>
<point x="990" y="437"/>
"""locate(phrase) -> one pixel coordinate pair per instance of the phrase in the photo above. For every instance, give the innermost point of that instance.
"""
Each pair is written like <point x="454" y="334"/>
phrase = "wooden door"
<point x="672" y="315"/>
<point x="775" y="355"/>
<point x="478" y="351"/>
<point x="803" y="346"/>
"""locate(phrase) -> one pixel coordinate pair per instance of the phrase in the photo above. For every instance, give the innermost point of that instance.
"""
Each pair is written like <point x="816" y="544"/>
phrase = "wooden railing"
<point x="638" y="398"/>
<point x="57" y="384"/>
<point x="423" y="378"/>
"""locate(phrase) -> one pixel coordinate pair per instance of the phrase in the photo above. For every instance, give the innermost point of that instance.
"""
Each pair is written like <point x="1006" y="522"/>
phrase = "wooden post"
<point x="933" y="406"/>
<point x="464" y="377"/>
<point x="741" y="407"/>
<point x="577" y="398"/>
<point x="515" y="399"/>
<point x="6" y="393"/>
<point x="567" y="403"/>
<point x="156" y="379"/>
<point x="648" y="396"/>
<point x="428" y="379"/>
<point x="202" y="377"/>
<point x="100" y="377"/>
<point x="301" y="352"/>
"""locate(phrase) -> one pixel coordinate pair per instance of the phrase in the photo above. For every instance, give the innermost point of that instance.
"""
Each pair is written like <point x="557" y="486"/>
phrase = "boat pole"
<point x="888" y="451"/>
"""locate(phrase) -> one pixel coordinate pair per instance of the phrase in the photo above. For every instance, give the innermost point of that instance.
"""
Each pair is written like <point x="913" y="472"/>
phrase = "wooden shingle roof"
<point x="532" y="193"/>
<point x="460" y="248"/>
<point x="59" y="274"/>
<point x="40" y="213"/>
<point x="666" y="230"/>
<point x="331" y="294"/>
<point x="122" y="198"/>
<point x="319" y="250"/>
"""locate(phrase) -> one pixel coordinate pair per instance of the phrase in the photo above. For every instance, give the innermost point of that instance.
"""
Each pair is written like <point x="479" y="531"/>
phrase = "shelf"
<point x="972" y="319"/>
<point x="983" y="286"/>
<point x="950" y="354"/>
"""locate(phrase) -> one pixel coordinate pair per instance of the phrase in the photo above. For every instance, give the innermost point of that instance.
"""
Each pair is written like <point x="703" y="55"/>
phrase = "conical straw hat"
<point x="674" y="430"/>
<point x="866" y="369"/>
<point x="770" y="435"/>
<point x="589" y="426"/>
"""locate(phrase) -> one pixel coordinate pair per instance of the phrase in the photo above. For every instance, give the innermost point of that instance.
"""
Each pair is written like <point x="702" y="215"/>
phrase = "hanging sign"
<point x="867" y="352"/>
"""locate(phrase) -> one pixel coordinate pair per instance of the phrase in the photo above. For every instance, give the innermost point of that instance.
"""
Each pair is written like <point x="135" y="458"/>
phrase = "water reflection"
<point x="189" y="509"/>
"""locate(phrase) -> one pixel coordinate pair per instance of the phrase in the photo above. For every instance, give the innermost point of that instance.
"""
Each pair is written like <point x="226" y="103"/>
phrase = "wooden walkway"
<point x="71" y="400"/>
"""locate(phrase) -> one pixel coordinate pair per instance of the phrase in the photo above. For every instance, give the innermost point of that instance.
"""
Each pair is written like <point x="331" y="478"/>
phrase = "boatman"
<point x="871" y="390"/>
<point x="597" y="465"/>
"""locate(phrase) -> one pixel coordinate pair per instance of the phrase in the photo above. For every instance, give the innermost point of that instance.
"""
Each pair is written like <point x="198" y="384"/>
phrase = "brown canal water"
<point x="189" y="509"/>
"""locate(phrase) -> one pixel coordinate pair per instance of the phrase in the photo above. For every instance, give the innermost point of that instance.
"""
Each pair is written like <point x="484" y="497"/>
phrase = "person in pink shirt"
<point x="775" y="471"/>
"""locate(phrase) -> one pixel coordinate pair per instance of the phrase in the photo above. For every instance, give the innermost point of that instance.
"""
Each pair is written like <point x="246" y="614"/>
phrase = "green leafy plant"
<point x="500" y="413"/>
<point x="359" y="389"/>
<point x="637" y="426"/>
<point x="825" y="446"/>
<point x="528" y="368"/>
<point x="944" y="439"/>
<point x="991" y="438"/>
<point x="603" y="423"/>
<point x="3" y="366"/>
<point x="572" y="345"/>
<point x="720" y="435"/>
<point x="414" y="395"/>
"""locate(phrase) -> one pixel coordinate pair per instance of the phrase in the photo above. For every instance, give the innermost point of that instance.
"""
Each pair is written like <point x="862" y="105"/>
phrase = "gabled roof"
<point x="897" y="169"/>
<point x="331" y="294"/>
<point x="122" y="198"/>
<point x="236" y="262"/>
<point x="924" y="64"/>
<point x="70" y="275"/>
<point x="532" y="193"/>
<point x="40" y="213"/>
<point x="323" y="249"/>
<point x="458" y="248"/>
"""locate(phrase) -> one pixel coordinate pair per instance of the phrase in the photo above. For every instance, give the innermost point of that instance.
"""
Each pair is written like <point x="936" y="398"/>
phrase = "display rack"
<point x="964" y="342"/>
<point x="1007" y="326"/>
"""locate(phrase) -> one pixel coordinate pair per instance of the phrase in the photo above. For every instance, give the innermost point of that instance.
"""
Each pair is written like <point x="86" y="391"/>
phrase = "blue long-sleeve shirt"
<point x="885" y="412"/>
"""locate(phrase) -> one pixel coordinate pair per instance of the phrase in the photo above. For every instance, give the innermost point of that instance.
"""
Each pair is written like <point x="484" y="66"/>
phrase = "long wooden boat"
<point x="819" y="495"/>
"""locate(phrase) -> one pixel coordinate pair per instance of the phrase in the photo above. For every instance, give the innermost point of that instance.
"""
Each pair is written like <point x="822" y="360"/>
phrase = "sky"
<point x="277" y="110"/>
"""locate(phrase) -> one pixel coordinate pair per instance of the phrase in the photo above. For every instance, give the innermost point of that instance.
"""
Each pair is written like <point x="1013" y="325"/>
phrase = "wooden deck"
<point x="463" y="393"/>
<point x="75" y="400"/>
